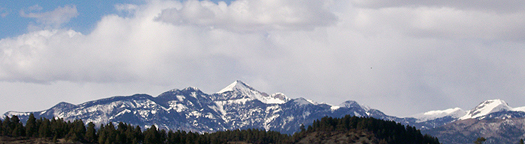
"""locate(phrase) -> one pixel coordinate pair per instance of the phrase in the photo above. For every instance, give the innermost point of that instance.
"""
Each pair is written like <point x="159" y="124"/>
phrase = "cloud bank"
<point x="388" y="55"/>
<point x="252" y="15"/>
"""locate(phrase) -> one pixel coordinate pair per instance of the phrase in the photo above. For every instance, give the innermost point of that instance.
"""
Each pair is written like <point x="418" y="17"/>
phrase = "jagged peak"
<point x="237" y="86"/>
<point x="304" y="101"/>
<point x="192" y="88"/>
<point x="351" y="103"/>
<point x="280" y="96"/>
<point x="181" y="90"/>
<point x="243" y="90"/>
<point x="487" y="107"/>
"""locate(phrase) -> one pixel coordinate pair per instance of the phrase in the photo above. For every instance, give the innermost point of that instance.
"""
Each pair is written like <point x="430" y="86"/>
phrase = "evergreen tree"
<point x="151" y="135"/>
<point x="5" y="126"/>
<point x="17" y="127"/>
<point x="101" y="134"/>
<point x="301" y="128"/>
<point x="1" y="128"/>
<point x="31" y="127"/>
<point x="162" y="136"/>
<point x="138" y="136"/>
<point x="90" y="133"/>
<point x="44" y="129"/>
<point x="480" y="140"/>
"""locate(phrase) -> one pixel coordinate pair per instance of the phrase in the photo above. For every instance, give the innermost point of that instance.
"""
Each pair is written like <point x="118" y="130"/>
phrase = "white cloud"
<point x="478" y="5"/>
<point x="444" y="22"/>
<point x="51" y="19"/>
<point x="387" y="57"/>
<point x="252" y="15"/>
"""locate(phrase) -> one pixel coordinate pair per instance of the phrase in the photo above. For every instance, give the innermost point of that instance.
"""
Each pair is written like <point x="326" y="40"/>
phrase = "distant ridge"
<point x="237" y="106"/>
<point x="240" y="106"/>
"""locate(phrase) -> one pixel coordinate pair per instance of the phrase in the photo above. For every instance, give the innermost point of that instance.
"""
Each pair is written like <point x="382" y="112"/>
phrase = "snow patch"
<point x="180" y="97"/>
<point x="303" y="101"/>
<point x="431" y="115"/>
<point x="520" y="109"/>
<point x="333" y="108"/>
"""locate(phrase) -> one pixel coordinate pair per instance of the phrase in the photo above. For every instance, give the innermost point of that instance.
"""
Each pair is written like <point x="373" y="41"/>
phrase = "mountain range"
<point x="239" y="106"/>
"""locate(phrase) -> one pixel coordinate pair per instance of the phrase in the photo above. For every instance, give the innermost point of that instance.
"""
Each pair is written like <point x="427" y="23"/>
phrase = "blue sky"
<point x="89" y="13"/>
<point x="386" y="54"/>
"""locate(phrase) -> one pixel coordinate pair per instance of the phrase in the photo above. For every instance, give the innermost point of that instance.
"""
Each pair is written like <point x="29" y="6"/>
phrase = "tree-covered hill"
<point x="352" y="129"/>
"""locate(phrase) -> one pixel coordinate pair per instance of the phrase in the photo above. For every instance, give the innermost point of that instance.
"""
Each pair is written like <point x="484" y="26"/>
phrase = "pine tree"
<point x="101" y="134"/>
<point x="163" y="136"/>
<point x="302" y="128"/>
<point x="90" y="133"/>
<point x="151" y="135"/>
<point x="44" y="129"/>
<point x="480" y="140"/>
<point x="1" y="128"/>
<point x="17" y="132"/>
<point x="5" y="126"/>
<point x="31" y="129"/>
<point x="138" y="136"/>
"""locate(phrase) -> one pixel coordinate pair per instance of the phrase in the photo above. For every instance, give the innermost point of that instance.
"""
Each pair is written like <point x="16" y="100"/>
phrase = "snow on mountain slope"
<point x="353" y="104"/>
<point x="487" y="107"/>
<point x="240" y="89"/>
<point x="431" y="115"/>
<point x="520" y="109"/>
<point x="238" y="106"/>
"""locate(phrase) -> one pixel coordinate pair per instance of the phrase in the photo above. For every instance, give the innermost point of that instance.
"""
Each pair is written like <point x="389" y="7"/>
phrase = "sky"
<point x="402" y="57"/>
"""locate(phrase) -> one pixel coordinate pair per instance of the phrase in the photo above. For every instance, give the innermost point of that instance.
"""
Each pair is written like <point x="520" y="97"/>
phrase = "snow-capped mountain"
<point x="237" y="106"/>
<point x="496" y="131"/>
<point x="495" y="108"/>
<point x="487" y="107"/>
<point x="435" y="114"/>
<point x="241" y="90"/>
<point x="493" y="119"/>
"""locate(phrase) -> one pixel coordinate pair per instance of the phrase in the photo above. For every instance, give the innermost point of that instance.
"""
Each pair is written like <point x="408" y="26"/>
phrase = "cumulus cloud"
<point x="50" y="19"/>
<point x="252" y="15"/>
<point x="422" y="56"/>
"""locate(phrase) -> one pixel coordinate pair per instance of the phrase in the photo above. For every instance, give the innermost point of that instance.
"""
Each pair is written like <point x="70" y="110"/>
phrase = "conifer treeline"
<point x="76" y="131"/>
<point x="388" y="131"/>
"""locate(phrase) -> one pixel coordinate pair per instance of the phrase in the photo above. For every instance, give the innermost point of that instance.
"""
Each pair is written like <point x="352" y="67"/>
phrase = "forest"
<point x="353" y="128"/>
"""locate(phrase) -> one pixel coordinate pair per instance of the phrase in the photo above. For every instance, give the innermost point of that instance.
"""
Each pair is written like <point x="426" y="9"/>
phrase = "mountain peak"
<point x="243" y="90"/>
<point x="192" y="89"/>
<point x="353" y="104"/>
<point x="236" y="86"/>
<point x="487" y="107"/>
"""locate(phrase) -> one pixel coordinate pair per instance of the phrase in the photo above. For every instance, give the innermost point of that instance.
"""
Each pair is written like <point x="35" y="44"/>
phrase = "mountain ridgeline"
<point x="239" y="106"/>
<point x="349" y="129"/>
